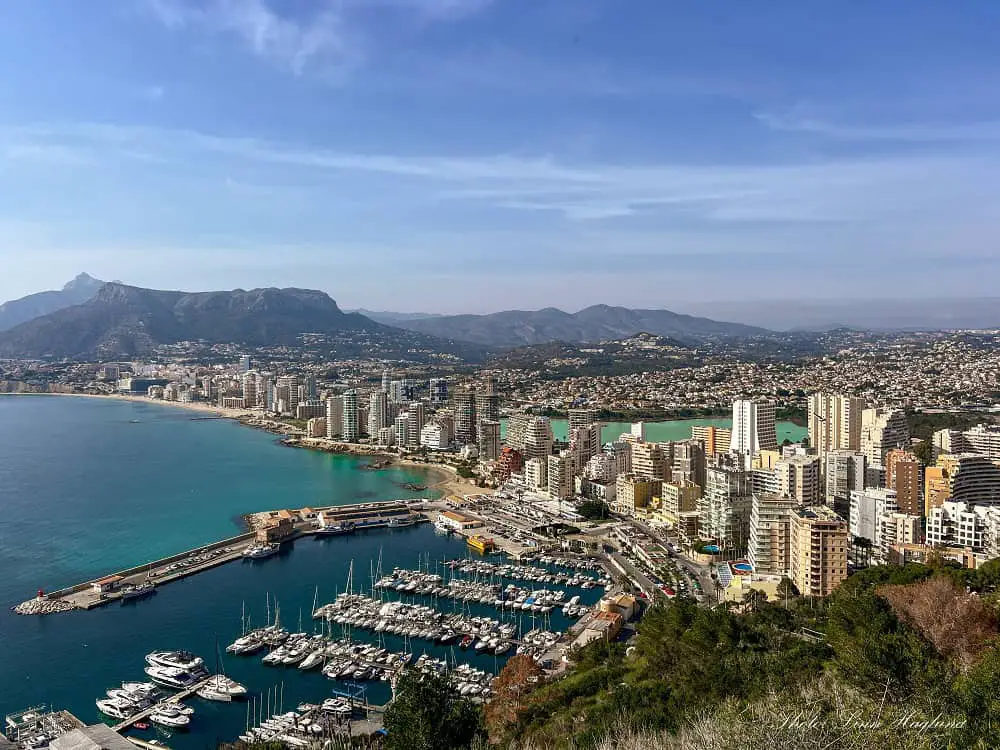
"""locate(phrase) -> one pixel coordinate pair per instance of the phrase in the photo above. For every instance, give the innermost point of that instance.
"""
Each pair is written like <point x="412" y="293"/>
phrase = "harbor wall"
<point x="156" y="564"/>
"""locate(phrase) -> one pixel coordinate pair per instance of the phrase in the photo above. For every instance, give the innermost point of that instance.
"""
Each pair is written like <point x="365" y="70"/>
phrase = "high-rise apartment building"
<point x="903" y="474"/>
<point x="798" y="478"/>
<point x="560" y="477"/>
<point x="378" y="412"/>
<point x="386" y="380"/>
<point x="581" y="417"/>
<point x="649" y="461"/>
<point x="487" y="406"/>
<point x="724" y="508"/>
<point x="717" y="440"/>
<point x="753" y="428"/>
<point x="962" y="477"/>
<point x="438" y="388"/>
<point x="834" y="422"/>
<point x="334" y="417"/>
<point x="489" y="439"/>
<point x="464" y="402"/>
<point x="352" y="429"/>
<point x="844" y="472"/>
<point x="769" y="550"/>
<point x="689" y="462"/>
<point x="401" y="430"/>
<point x="867" y="508"/>
<point x="584" y="442"/>
<point x="250" y="386"/>
<point x="819" y="541"/>
<point x="530" y="436"/>
<point x="416" y="419"/>
<point x="882" y="430"/>
<point x="244" y="366"/>
<point x="536" y="473"/>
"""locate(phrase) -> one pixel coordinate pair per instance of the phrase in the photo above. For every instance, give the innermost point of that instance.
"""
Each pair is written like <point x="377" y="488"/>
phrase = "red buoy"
<point x="41" y="594"/>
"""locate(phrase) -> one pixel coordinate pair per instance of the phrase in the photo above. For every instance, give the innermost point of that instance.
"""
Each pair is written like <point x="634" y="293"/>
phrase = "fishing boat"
<point x="325" y="528"/>
<point x="401" y="522"/>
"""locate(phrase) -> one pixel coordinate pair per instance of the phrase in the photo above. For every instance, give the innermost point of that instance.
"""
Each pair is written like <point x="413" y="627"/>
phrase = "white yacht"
<point x="221" y="688"/>
<point x="260" y="551"/>
<point x="170" y="716"/>
<point x="170" y="677"/>
<point x="139" y="591"/>
<point x="176" y="659"/>
<point x="116" y="708"/>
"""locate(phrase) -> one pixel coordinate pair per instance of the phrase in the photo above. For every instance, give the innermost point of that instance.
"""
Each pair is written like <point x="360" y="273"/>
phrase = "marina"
<point x="220" y="598"/>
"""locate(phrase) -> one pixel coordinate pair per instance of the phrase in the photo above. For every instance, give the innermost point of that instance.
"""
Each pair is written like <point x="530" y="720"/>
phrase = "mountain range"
<point x="515" y="328"/>
<point x="18" y="311"/>
<point x="121" y="321"/>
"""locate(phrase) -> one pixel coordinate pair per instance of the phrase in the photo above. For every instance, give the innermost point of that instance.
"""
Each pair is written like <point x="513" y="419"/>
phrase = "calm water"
<point x="679" y="429"/>
<point x="88" y="486"/>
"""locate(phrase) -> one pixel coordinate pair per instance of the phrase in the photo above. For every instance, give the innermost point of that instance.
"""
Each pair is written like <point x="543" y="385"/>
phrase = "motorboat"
<point x="170" y="716"/>
<point x="184" y="660"/>
<point x="139" y="591"/>
<point x="260" y="551"/>
<point x="139" y="701"/>
<point x="171" y="677"/>
<point x="116" y="708"/>
<point x="401" y="522"/>
<point x="313" y="660"/>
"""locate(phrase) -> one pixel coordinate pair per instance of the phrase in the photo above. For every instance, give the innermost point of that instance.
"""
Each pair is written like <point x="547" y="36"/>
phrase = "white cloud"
<point x="330" y="39"/>
<point x="918" y="132"/>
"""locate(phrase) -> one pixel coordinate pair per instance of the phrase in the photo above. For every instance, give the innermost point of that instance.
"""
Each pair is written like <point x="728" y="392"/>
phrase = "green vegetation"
<point x="426" y="714"/>
<point x="892" y="644"/>
<point x="593" y="510"/>
<point x="923" y="425"/>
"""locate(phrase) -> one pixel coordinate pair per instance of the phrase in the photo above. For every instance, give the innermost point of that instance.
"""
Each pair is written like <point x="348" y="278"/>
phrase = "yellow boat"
<point x="481" y="543"/>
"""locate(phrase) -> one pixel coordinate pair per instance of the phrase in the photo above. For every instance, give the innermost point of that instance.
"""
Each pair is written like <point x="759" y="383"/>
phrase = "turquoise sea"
<point x="88" y="486"/>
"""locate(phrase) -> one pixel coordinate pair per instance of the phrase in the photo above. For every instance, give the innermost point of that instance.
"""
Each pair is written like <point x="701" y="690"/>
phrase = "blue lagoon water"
<point x="88" y="486"/>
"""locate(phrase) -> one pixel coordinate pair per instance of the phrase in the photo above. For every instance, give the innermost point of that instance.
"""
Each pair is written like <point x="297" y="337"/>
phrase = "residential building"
<point x="464" y="401"/>
<point x="634" y="493"/>
<point x="487" y="405"/>
<point x="601" y="468"/>
<point x="769" y="549"/>
<point x="582" y="417"/>
<point x="316" y="427"/>
<point x="536" y="473"/>
<point x="882" y="430"/>
<point x="244" y="366"/>
<point x="621" y="452"/>
<point x="689" y="462"/>
<point x="310" y="409"/>
<point x="753" y="429"/>
<point x="844" y="472"/>
<point x="678" y="498"/>
<point x="378" y="412"/>
<point x="649" y="460"/>
<point x="434" y="436"/>
<point x="288" y="390"/>
<point x="509" y="463"/>
<point x="962" y="477"/>
<point x="957" y="524"/>
<point x="834" y="422"/>
<point x="765" y="482"/>
<point x="438" y="388"/>
<point x="898" y="528"/>
<point x="402" y="430"/>
<point x="416" y="419"/>
<point x="868" y="507"/>
<point x="983" y="439"/>
<point x="334" y="417"/>
<point x="489" y="439"/>
<point x="903" y="474"/>
<point x="725" y="506"/>
<point x="584" y="442"/>
<point x="819" y="541"/>
<point x="352" y="428"/>
<point x="560" y="476"/>
<point x="717" y="440"/>
<point x="798" y="477"/>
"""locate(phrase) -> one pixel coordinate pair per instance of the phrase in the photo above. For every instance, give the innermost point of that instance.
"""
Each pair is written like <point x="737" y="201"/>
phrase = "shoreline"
<point x="440" y="478"/>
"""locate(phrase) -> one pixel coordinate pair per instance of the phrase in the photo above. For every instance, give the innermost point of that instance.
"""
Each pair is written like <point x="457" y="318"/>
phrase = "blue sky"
<point x="476" y="155"/>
